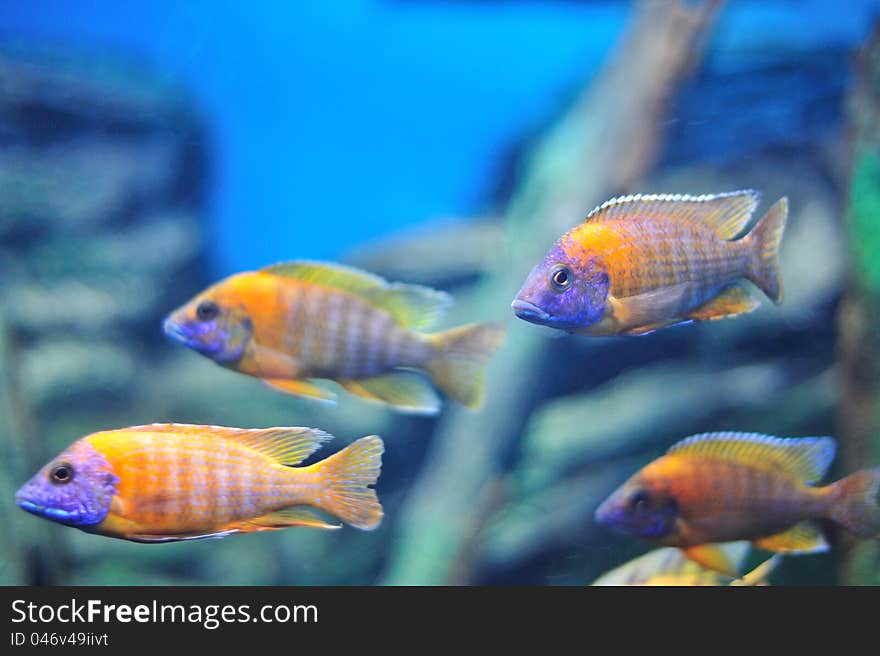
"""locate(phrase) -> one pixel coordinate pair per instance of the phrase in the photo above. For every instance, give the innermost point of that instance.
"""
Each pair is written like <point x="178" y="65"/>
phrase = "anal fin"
<point x="805" y="537"/>
<point x="293" y="516"/>
<point x="758" y="576"/>
<point x="404" y="390"/>
<point x="712" y="556"/>
<point x="152" y="538"/>
<point x="733" y="300"/>
<point x="650" y="328"/>
<point x="302" y="388"/>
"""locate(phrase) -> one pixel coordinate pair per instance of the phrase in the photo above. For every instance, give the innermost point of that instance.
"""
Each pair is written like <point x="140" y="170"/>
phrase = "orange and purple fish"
<point x="292" y="323"/>
<point x="644" y="262"/>
<point x="719" y="487"/>
<point x="669" y="566"/>
<point x="169" y="482"/>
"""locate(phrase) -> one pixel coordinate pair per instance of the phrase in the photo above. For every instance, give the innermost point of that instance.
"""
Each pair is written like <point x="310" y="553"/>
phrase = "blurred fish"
<point x="719" y="487"/>
<point x="168" y="482"/>
<point x="643" y="262"/>
<point x="670" y="567"/>
<point x="291" y="323"/>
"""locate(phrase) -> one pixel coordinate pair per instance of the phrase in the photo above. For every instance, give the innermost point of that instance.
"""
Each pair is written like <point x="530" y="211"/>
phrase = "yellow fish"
<point x="719" y="487"/>
<point x="292" y="323"/>
<point x="168" y="482"/>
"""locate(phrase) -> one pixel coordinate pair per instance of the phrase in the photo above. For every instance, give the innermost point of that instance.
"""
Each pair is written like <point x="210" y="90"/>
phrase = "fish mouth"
<point x="56" y="514"/>
<point x="29" y="506"/>
<point x="175" y="331"/>
<point x="603" y="514"/>
<point x="529" y="311"/>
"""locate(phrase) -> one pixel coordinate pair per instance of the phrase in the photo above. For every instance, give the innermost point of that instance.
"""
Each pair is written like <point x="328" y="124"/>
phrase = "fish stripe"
<point x="296" y="329"/>
<point x="320" y="327"/>
<point x="354" y="350"/>
<point x="343" y="337"/>
<point x="373" y="344"/>
<point x="308" y="327"/>
<point x="331" y="328"/>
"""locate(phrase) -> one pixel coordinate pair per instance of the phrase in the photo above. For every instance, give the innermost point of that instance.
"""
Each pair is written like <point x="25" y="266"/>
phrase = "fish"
<point x="649" y="261"/>
<point x="668" y="566"/>
<point x="721" y="487"/>
<point x="169" y="482"/>
<point x="295" y="323"/>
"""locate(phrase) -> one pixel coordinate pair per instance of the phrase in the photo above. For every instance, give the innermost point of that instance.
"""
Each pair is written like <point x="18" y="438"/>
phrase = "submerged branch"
<point x="604" y="145"/>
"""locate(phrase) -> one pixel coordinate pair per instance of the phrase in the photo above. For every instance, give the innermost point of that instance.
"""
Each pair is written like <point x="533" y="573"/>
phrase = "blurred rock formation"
<point x="102" y="176"/>
<point x="859" y="333"/>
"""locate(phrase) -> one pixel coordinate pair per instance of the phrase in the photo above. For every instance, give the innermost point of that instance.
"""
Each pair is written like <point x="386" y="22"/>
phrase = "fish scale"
<point x="701" y="258"/>
<point x="327" y="338"/>
<point x="189" y="462"/>
<point x="676" y="254"/>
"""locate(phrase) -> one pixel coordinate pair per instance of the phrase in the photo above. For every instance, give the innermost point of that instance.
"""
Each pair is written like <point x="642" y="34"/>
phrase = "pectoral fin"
<point x="405" y="391"/>
<point x="805" y="537"/>
<point x="712" y="556"/>
<point x="643" y="313"/>
<point x="732" y="300"/>
<point x="302" y="388"/>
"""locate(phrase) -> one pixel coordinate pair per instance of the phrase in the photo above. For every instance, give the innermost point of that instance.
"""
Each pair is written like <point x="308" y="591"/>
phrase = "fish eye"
<point x="560" y="278"/>
<point x="61" y="474"/>
<point x="639" y="501"/>
<point x="207" y="311"/>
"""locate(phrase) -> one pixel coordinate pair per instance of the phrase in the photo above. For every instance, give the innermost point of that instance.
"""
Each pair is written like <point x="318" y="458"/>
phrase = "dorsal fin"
<point x="286" y="445"/>
<point x="325" y="273"/>
<point x="727" y="213"/>
<point x="807" y="458"/>
<point x="412" y="306"/>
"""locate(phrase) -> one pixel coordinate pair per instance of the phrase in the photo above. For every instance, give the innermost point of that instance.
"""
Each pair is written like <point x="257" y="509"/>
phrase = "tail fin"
<point x="458" y="368"/>
<point x="856" y="504"/>
<point x="345" y="480"/>
<point x="764" y="242"/>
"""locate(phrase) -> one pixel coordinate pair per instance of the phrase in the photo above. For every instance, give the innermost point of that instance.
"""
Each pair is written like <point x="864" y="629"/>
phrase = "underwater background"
<point x="147" y="153"/>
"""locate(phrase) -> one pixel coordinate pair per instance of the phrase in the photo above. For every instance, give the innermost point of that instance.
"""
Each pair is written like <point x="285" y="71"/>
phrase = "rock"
<point x="634" y="411"/>
<point x="102" y="173"/>
<point x="71" y="187"/>
<point x="50" y="94"/>
<point x="97" y="307"/>
<point x="54" y="371"/>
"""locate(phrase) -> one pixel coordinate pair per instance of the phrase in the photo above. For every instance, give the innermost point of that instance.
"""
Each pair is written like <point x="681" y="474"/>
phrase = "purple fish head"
<point x="636" y="509"/>
<point x="563" y="292"/>
<point x="75" y="489"/>
<point x="211" y="324"/>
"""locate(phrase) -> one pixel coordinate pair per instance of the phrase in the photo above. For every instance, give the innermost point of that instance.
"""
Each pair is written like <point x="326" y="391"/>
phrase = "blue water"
<point x="338" y="122"/>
